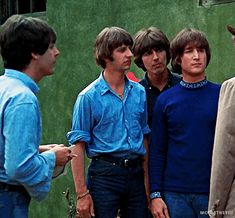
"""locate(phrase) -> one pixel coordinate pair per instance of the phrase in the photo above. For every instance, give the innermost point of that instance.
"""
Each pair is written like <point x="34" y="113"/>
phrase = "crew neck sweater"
<point x="182" y="138"/>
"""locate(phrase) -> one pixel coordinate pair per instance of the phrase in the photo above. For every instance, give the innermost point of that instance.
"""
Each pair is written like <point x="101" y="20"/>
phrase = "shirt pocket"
<point x="109" y="129"/>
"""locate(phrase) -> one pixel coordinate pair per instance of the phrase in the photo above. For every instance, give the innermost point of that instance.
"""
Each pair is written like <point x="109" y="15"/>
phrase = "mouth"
<point x="157" y="65"/>
<point x="127" y="62"/>
<point x="197" y="65"/>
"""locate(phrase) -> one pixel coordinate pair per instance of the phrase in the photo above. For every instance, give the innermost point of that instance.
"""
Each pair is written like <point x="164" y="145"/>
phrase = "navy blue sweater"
<point x="182" y="139"/>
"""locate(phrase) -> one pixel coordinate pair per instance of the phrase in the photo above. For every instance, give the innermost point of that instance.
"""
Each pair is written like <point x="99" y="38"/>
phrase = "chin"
<point x="49" y="73"/>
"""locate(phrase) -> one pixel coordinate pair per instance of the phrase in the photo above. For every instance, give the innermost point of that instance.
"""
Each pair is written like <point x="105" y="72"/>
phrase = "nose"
<point x="195" y="53"/>
<point x="155" y="55"/>
<point x="56" y="50"/>
<point x="129" y="52"/>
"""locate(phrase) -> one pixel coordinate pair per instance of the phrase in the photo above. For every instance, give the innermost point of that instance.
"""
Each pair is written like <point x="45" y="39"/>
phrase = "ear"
<point x="34" y="56"/>
<point x="178" y="60"/>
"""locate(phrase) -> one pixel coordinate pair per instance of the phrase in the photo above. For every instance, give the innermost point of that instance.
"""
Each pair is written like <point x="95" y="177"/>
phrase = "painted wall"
<point x="77" y="23"/>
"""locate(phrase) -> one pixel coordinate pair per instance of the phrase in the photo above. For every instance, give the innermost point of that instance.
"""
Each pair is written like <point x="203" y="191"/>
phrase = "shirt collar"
<point x="104" y="86"/>
<point x="28" y="81"/>
<point x="169" y="82"/>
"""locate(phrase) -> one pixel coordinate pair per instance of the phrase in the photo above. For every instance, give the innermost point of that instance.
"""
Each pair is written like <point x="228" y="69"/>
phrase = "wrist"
<point x="80" y="196"/>
<point x="154" y="195"/>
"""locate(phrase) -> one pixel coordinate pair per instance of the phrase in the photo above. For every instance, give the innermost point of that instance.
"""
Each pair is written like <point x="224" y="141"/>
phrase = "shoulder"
<point x="172" y="90"/>
<point x="214" y="86"/>
<point x="176" y="76"/>
<point x="91" y="88"/>
<point x="229" y="83"/>
<point x="143" y="82"/>
<point x="170" y="94"/>
<point x="137" y="87"/>
<point x="228" y="87"/>
<point x="16" y="90"/>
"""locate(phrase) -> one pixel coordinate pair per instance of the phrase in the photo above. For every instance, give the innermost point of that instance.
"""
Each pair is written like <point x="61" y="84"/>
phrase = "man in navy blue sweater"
<point x="182" y="134"/>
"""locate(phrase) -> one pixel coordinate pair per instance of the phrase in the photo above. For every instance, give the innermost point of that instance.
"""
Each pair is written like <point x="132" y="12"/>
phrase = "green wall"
<point x="77" y="23"/>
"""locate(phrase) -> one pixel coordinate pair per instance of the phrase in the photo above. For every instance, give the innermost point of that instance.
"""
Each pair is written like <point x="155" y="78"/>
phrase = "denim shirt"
<point x="20" y="133"/>
<point x="109" y="124"/>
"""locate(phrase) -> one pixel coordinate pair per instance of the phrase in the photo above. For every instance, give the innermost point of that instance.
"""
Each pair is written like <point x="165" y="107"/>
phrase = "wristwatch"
<point x="155" y="195"/>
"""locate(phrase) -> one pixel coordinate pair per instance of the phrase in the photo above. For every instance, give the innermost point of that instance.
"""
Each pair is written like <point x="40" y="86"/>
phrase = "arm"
<point x="23" y="163"/>
<point x="80" y="137"/>
<point x="43" y="148"/>
<point x="145" y="166"/>
<point x="157" y="158"/>
<point x="223" y="159"/>
<point x="84" y="204"/>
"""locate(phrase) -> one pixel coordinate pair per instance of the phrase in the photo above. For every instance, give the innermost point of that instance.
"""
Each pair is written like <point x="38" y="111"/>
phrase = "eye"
<point x="147" y="53"/>
<point x="201" y="49"/>
<point x="158" y="50"/>
<point x="51" y="46"/>
<point x="188" y="50"/>
<point x="122" y="49"/>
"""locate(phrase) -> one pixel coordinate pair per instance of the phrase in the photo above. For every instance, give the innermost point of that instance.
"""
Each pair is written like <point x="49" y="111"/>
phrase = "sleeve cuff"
<point x="78" y="135"/>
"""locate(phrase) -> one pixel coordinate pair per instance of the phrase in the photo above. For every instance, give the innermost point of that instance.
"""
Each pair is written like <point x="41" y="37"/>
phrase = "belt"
<point x="120" y="161"/>
<point x="12" y="188"/>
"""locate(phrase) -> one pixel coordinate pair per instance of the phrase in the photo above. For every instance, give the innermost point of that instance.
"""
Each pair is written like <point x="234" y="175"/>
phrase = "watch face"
<point x="155" y="195"/>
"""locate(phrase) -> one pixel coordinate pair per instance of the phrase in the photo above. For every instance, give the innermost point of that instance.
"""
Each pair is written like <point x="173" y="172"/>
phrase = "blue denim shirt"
<point x="20" y="133"/>
<point x="108" y="123"/>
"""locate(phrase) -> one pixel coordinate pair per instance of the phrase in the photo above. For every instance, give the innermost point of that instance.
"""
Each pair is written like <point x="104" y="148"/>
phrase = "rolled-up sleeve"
<point x="82" y="121"/>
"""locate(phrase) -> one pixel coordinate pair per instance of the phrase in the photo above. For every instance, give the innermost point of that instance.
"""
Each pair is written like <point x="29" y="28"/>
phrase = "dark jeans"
<point x="115" y="188"/>
<point x="14" y="204"/>
<point x="182" y="205"/>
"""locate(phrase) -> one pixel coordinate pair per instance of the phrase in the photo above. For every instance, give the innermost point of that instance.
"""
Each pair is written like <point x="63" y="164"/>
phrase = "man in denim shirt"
<point x="109" y="122"/>
<point x="28" y="52"/>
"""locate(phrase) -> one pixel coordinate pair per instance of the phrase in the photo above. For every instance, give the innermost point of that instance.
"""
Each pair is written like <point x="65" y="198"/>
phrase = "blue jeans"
<point x="117" y="188"/>
<point x="14" y="204"/>
<point x="182" y="205"/>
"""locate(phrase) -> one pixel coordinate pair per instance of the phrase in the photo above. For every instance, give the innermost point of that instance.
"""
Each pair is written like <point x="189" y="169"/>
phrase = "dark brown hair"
<point x="182" y="39"/>
<point x="147" y="39"/>
<point x="109" y="39"/>
<point x="20" y="37"/>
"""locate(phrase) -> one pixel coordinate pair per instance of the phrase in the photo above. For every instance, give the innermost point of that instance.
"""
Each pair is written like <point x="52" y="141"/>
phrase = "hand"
<point x="43" y="148"/>
<point x="85" y="207"/>
<point x="63" y="154"/>
<point x="159" y="208"/>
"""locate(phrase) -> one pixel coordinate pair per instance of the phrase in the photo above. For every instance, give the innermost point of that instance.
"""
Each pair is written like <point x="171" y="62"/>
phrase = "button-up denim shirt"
<point x="109" y="124"/>
<point x="20" y="133"/>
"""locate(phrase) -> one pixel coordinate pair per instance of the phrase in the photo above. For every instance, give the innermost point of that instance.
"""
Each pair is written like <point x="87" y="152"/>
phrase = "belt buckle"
<point x="126" y="162"/>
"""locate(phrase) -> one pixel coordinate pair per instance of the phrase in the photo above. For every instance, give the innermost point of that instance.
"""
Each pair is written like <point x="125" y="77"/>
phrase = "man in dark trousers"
<point x="110" y="124"/>
<point x="27" y="47"/>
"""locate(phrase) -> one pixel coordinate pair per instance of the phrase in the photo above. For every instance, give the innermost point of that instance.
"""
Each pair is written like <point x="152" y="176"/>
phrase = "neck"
<point x="159" y="80"/>
<point x="114" y="78"/>
<point x="116" y="81"/>
<point x="32" y="74"/>
<point x="193" y="78"/>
